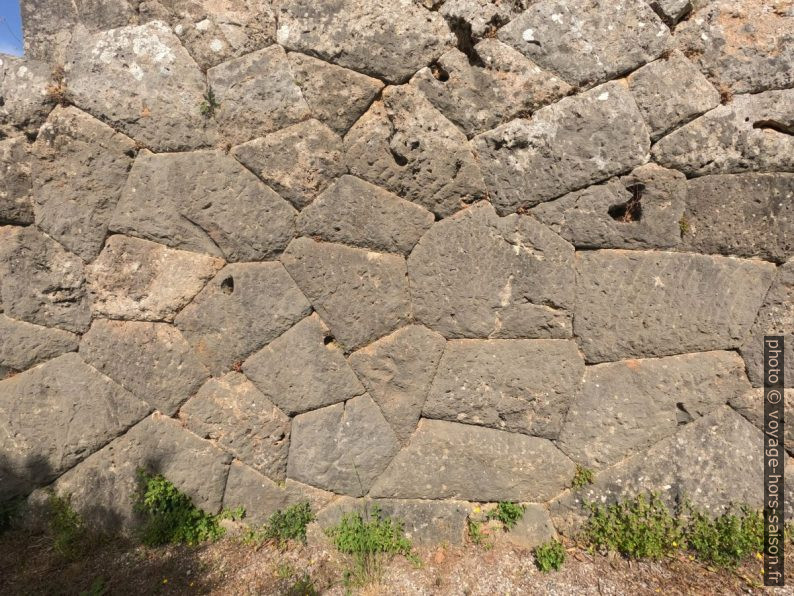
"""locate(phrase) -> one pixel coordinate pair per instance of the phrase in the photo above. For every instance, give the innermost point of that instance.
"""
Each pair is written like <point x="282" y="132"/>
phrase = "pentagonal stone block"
<point x="23" y="345"/>
<point x="246" y="306"/>
<point x="24" y="86"/>
<point x="15" y="182"/>
<point x="480" y="276"/>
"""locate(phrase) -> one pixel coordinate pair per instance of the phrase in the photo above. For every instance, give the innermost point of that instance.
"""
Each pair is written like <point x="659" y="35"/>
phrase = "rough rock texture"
<point x="298" y="162"/>
<point x="397" y="371"/>
<point x="361" y="295"/>
<point x="533" y="529"/>
<point x="205" y="202"/>
<point x="243" y="308"/>
<point x="23" y="345"/>
<point x="747" y="215"/>
<point x="518" y="385"/>
<point x="752" y="133"/>
<point x="152" y="360"/>
<point x="361" y="214"/>
<point x="303" y="369"/>
<point x="565" y="146"/>
<point x="669" y="303"/>
<point x="481" y="17"/>
<point x="382" y="38"/>
<point x="342" y="448"/>
<point x="588" y="41"/>
<point x="459" y="461"/>
<point x="750" y="404"/>
<point x="406" y="146"/>
<point x="15" y="182"/>
<point x="625" y="407"/>
<point x="481" y="276"/>
<point x="54" y="416"/>
<point x="24" y="94"/>
<point x="639" y="210"/>
<point x="234" y="414"/>
<point x="139" y="280"/>
<point x="671" y="11"/>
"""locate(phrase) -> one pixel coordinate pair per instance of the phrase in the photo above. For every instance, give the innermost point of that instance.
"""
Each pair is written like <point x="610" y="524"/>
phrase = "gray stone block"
<point x="23" y="345"/>
<point x="15" y="182"/>
<point x="24" y="86"/>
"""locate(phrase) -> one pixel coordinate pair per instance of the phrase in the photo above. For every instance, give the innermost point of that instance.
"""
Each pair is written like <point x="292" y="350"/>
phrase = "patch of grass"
<point x="550" y="556"/>
<point x="371" y="540"/>
<point x="582" y="477"/>
<point x="476" y="533"/>
<point x="68" y="530"/>
<point x="210" y="104"/>
<point x="171" y="517"/>
<point x="283" y="526"/>
<point x="508" y="513"/>
<point x="683" y="225"/>
<point x="303" y="586"/>
<point x="9" y="511"/>
<point x="726" y="540"/>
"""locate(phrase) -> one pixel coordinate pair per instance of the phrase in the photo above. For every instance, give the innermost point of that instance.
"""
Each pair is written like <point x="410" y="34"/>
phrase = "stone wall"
<point x="433" y="253"/>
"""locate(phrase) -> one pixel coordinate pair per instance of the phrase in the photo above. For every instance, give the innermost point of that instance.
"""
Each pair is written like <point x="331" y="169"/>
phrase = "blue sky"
<point x="10" y="28"/>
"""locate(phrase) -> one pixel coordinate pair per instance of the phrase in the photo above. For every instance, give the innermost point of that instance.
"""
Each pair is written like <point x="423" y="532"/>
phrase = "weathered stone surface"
<point x="381" y="38"/>
<point x="750" y="404"/>
<point x="517" y="385"/>
<point x="483" y="17"/>
<point x="481" y="276"/>
<point x="336" y="96"/>
<point x="206" y="202"/>
<point x="302" y="370"/>
<point x="566" y="146"/>
<point x="533" y="529"/>
<point x="588" y="41"/>
<point x="407" y="146"/>
<point x="104" y="486"/>
<point x="261" y="497"/>
<point x="40" y="282"/>
<point x="15" y="182"/>
<point x="152" y="360"/>
<point x="342" y="448"/>
<point x="460" y="461"/>
<point x="625" y="407"/>
<point x="671" y="11"/>
<point x="671" y="92"/>
<point x="257" y="95"/>
<point x="361" y="214"/>
<point x="640" y="210"/>
<point x="24" y="98"/>
<point x="743" y="46"/>
<point x="747" y="215"/>
<point x="640" y="304"/>
<point x="361" y="295"/>
<point x="23" y="345"/>
<point x="79" y="168"/>
<point x="298" y="162"/>
<point x="54" y="416"/>
<point x="232" y="412"/>
<point x="397" y="371"/>
<point x="141" y="81"/>
<point x="478" y="97"/>
<point x="776" y="317"/>
<point x="752" y="133"/>
<point x="246" y="306"/>
<point x="138" y="280"/>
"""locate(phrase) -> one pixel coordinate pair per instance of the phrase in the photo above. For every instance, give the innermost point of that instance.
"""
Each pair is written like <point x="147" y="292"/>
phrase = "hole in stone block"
<point x="227" y="285"/>
<point x="328" y="340"/>
<point x="631" y="210"/>
<point x="438" y="72"/>
<point x="682" y="416"/>
<point x="400" y="160"/>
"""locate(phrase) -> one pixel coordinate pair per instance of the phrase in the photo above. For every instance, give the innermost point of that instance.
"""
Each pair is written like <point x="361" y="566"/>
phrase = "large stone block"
<point x="478" y="275"/>
<point x="24" y="94"/>
<point x="639" y="304"/>
<point x="15" y="182"/>
<point x="750" y="404"/>
<point x="23" y="345"/>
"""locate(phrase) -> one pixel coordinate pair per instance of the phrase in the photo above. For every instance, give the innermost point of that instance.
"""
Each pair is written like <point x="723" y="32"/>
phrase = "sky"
<point x="10" y="28"/>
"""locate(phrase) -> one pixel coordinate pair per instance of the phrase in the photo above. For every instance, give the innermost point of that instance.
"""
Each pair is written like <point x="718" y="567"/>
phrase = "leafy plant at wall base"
<point x="476" y="533"/>
<point x="282" y="526"/>
<point x="727" y="539"/>
<point x="582" y="477"/>
<point x="550" y="556"/>
<point x="508" y="513"/>
<point x="67" y="527"/>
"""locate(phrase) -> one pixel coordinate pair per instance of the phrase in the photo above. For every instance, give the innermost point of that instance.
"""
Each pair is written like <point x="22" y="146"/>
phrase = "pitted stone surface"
<point x="482" y="16"/>
<point x="750" y="404"/>
<point x="517" y="385"/>
<point x="15" y="182"/>
<point x="298" y="162"/>
<point x="303" y="369"/>
<point x="668" y="303"/>
<point x="143" y="82"/>
<point x="565" y="146"/>
<point x="23" y="345"/>
<point x="342" y="448"/>
<point x="243" y="308"/>
<point x="605" y="215"/>
<point x="397" y="371"/>
<point x="671" y="11"/>
<point x="152" y="360"/>
<point x="381" y="38"/>
<point x="79" y="168"/>
<point x="234" y="414"/>
<point x="358" y="213"/>
<point x="480" y="97"/>
<point x="478" y="275"/>
<point x="361" y="295"/>
<point x="533" y="529"/>
<point x="54" y="416"/>
<point x="24" y="98"/>
<point x="752" y="133"/>
<point x="460" y="461"/>
<point x="138" y="280"/>
<point x="625" y="407"/>
<point x="405" y="145"/>
<point x="588" y="41"/>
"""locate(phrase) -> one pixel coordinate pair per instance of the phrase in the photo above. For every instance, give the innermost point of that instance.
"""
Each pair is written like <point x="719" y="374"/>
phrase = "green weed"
<point x="303" y="586"/>
<point x="476" y="533"/>
<point x="582" y="477"/>
<point x="210" y="104"/>
<point x="283" y="526"/>
<point x="550" y="556"/>
<point x="66" y="526"/>
<point x="508" y="513"/>
<point x="683" y="225"/>
<point x="727" y="539"/>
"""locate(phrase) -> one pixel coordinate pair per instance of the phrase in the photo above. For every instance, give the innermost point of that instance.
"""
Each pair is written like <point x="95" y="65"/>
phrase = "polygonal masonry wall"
<point x="431" y="253"/>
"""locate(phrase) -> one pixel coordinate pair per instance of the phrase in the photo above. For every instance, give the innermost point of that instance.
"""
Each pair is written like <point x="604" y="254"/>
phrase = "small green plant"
<point x="508" y="513"/>
<point x="582" y="477"/>
<point x="171" y="517"/>
<point x="97" y="588"/>
<point x="67" y="527"/>
<point x="727" y="539"/>
<point x="303" y="586"/>
<point x="210" y="104"/>
<point x="371" y="539"/>
<point x="683" y="225"/>
<point x="283" y="526"/>
<point x="476" y="533"/>
<point x="550" y="556"/>
<point x="9" y="511"/>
